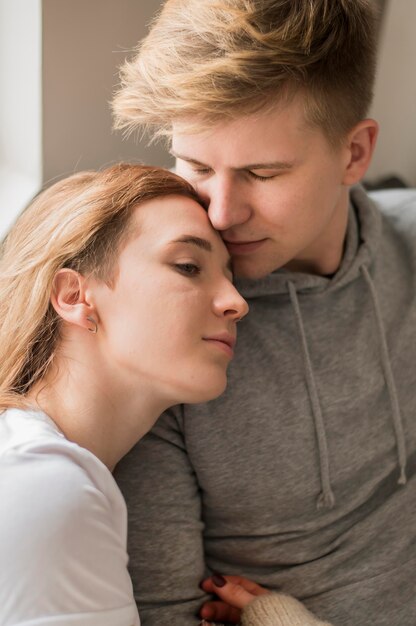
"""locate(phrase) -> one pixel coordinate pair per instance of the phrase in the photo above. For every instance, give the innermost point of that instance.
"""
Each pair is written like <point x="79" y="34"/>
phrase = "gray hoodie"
<point x="302" y="475"/>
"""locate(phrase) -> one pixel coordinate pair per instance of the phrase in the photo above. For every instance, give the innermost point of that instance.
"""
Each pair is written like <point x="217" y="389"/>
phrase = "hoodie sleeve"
<point x="165" y="539"/>
<point x="277" y="609"/>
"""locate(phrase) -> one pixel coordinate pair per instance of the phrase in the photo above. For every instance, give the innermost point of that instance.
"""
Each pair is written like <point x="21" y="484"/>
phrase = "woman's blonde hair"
<point x="81" y="223"/>
<point x="209" y="60"/>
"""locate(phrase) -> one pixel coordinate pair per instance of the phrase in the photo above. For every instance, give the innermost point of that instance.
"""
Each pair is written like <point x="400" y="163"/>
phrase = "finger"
<point x="233" y="594"/>
<point x="207" y="585"/>
<point x="220" y="612"/>
<point x="247" y="584"/>
<point x="256" y="590"/>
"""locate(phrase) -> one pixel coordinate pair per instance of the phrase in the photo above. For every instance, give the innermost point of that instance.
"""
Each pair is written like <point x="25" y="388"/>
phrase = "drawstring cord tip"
<point x="403" y="478"/>
<point x="326" y="501"/>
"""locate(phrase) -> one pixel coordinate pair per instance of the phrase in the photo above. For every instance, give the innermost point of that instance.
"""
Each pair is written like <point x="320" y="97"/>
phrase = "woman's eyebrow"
<point x="201" y="243"/>
<point x="195" y="241"/>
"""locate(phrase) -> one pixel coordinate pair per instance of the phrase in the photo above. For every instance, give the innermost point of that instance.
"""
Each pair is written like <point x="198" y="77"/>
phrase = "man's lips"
<point x="243" y="247"/>
<point x="223" y="341"/>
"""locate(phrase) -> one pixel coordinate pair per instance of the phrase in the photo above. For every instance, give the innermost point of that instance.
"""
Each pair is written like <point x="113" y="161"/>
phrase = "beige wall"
<point x="395" y="94"/>
<point x="84" y="42"/>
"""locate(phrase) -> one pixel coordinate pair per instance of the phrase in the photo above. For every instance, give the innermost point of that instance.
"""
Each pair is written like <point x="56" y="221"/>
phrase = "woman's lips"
<point x="224" y="342"/>
<point x="243" y="247"/>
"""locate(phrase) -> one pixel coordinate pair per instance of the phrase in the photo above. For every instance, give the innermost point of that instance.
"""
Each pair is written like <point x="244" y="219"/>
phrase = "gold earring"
<point x="95" y="329"/>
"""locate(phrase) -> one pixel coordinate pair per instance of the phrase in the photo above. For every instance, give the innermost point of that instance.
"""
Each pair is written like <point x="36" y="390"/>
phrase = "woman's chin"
<point x="208" y="391"/>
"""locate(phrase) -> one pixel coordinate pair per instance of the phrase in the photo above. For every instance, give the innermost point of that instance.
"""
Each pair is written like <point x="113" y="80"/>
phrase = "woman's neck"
<point x="96" y="410"/>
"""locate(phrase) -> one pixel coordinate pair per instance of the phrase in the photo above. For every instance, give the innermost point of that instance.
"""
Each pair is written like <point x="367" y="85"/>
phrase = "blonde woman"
<point x="116" y="302"/>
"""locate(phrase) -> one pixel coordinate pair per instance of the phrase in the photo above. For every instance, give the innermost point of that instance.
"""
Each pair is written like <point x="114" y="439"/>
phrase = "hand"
<point x="234" y="593"/>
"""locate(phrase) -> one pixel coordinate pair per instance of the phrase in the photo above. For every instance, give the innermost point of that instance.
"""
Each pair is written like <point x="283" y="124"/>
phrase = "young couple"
<point x="116" y="303"/>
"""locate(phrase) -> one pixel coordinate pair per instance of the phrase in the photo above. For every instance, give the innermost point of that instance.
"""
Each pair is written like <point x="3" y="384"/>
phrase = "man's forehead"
<point x="238" y="154"/>
<point x="262" y="138"/>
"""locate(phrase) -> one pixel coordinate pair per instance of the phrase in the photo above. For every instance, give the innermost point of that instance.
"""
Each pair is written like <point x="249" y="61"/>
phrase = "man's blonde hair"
<point x="80" y="223"/>
<point x="211" y="60"/>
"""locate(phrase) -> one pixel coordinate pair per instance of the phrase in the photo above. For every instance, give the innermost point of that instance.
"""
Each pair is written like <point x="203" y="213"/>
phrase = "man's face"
<point x="273" y="187"/>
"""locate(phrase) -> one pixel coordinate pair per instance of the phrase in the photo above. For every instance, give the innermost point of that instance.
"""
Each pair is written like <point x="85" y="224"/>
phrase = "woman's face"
<point x="170" y="318"/>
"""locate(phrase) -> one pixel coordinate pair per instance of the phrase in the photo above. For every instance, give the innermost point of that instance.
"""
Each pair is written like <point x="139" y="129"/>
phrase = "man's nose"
<point x="226" y="205"/>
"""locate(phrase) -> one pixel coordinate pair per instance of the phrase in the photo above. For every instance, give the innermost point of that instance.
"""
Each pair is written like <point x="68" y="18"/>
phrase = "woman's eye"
<point x="188" y="269"/>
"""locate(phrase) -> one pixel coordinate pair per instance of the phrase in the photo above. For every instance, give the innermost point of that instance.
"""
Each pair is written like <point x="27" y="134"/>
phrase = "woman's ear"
<point x="361" y="141"/>
<point x="70" y="300"/>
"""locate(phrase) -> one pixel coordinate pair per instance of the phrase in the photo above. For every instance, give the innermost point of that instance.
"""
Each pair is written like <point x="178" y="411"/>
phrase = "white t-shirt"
<point x="63" y="531"/>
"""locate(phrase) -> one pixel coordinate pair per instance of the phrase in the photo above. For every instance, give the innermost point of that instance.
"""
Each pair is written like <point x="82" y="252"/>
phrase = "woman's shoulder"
<point x="63" y="523"/>
<point x="54" y="480"/>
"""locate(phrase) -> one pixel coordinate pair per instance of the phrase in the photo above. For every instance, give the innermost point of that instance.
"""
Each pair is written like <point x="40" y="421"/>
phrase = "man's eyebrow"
<point x="195" y="241"/>
<point x="182" y="157"/>
<point x="273" y="165"/>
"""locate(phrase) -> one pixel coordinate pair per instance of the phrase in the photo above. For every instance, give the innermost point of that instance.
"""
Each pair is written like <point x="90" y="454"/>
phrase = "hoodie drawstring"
<point x="326" y="498"/>
<point x="388" y="375"/>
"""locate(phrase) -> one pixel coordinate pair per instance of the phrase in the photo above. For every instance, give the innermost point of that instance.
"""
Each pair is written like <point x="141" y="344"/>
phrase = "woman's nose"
<point x="231" y="304"/>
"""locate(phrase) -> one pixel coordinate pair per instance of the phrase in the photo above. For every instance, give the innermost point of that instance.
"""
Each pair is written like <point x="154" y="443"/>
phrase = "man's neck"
<point x="324" y="256"/>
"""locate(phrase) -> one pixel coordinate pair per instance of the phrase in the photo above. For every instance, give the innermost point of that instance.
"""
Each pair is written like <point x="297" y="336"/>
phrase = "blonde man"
<point x="301" y="476"/>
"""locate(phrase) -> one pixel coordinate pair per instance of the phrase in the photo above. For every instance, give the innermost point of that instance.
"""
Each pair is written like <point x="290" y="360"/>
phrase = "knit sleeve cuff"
<point x="277" y="609"/>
